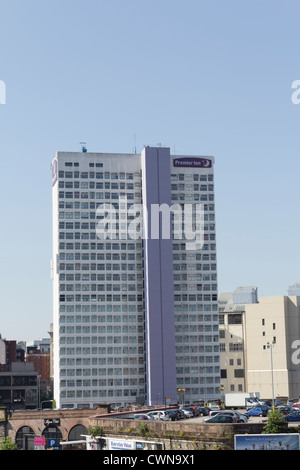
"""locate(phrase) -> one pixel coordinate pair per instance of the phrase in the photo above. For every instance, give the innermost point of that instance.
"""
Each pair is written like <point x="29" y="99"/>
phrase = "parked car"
<point x="294" y="416"/>
<point x="278" y="402"/>
<point x="211" y="414"/>
<point x="285" y="409"/>
<point x="241" y="417"/>
<point x="257" y="411"/>
<point x="203" y="410"/>
<point x="181" y="414"/>
<point x="215" y="408"/>
<point x="188" y="413"/>
<point x="174" y="415"/>
<point x="221" y="418"/>
<point x="188" y="408"/>
<point x="159" y="415"/>
<point x="194" y="408"/>
<point x="290" y="402"/>
<point x="142" y="416"/>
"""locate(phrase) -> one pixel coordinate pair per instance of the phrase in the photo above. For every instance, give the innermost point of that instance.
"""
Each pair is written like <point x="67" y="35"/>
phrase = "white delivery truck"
<point x="240" y="400"/>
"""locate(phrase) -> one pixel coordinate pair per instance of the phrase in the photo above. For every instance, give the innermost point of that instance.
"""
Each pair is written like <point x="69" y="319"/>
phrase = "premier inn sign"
<point x="192" y="162"/>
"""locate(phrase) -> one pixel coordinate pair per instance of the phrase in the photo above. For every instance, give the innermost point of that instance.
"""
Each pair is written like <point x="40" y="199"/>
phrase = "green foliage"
<point x="96" y="431"/>
<point x="276" y="423"/>
<point x="6" y="444"/>
<point x="144" y="430"/>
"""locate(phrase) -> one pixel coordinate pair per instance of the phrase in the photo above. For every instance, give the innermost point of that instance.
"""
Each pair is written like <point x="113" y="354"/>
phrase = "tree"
<point x="276" y="423"/>
<point x="6" y="444"/>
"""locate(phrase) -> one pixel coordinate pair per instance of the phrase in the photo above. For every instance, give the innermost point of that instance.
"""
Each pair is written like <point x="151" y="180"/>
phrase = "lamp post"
<point x="270" y="346"/>
<point x="41" y="409"/>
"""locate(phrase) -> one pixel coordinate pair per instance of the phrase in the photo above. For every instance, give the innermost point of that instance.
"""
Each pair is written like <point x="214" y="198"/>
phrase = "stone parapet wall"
<point x="176" y="435"/>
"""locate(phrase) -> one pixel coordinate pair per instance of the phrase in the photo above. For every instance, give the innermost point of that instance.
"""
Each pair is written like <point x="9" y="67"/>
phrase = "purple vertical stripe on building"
<point x="158" y="278"/>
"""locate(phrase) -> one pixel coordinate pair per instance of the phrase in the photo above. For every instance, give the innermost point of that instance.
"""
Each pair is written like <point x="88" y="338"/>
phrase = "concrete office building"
<point x="232" y="330"/>
<point x="260" y="345"/>
<point x="273" y="346"/>
<point x="135" y="313"/>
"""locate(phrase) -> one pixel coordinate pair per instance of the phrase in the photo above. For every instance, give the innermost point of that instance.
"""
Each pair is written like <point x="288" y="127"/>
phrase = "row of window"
<point x="100" y="277"/>
<point x="95" y="195"/>
<point x="100" y="287"/>
<point x="94" y="350"/>
<point x="197" y="349"/>
<point x="100" y="382"/>
<point x="97" y="185"/>
<point x="97" y="175"/>
<point x="127" y="175"/>
<point x="100" y="318"/>
<point x="197" y="370"/>
<point x="136" y="276"/>
<point x="191" y="177"/>
<point x="67" y="204"/>
<point x="192" y="187"/>
<point x="78" y="329"/>
<point x="85" y="246"/>
<point x="120" y="339"/>
<point x="100" y="298"/>
<point x="99" y="256"/>
<point x="99" y="267"/>
<point x="72" y="394"/>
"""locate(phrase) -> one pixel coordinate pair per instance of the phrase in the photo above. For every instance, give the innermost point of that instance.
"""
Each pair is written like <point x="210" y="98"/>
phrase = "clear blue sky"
<point x="205" y="77"/>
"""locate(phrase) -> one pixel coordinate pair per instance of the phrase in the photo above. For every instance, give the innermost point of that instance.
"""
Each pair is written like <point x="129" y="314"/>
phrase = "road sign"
<point x="39" y="443"/>
<point x="52" y="442"/>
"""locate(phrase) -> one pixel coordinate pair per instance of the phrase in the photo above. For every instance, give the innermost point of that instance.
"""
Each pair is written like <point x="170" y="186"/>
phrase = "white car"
<point x="215" y="408"/>
<point x="188" y="413"/>
<point x="159" y="415"/>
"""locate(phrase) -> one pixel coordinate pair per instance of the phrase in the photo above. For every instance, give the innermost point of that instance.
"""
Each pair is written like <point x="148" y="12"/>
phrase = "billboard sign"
<point x="121" y="444"/>
<point x="266" y="442"/>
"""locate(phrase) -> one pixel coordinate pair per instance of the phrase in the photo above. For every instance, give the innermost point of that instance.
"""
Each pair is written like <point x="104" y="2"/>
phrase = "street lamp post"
<point x="270" y="346"/>
<point x="41" y="409"/>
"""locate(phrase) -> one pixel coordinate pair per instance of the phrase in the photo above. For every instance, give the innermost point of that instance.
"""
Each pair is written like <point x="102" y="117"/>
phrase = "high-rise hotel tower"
<point x="135" y="309"/>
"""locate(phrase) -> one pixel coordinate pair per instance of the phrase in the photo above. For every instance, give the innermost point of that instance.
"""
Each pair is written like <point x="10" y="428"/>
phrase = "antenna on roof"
<point x="134" y="149"/>
<point x="83" y="147"/>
